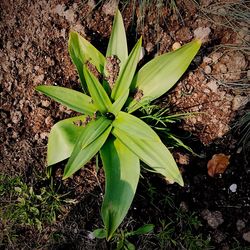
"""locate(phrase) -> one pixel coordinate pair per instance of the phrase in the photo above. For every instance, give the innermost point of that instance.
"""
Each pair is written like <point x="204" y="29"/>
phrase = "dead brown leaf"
<point x="218" y="164"/>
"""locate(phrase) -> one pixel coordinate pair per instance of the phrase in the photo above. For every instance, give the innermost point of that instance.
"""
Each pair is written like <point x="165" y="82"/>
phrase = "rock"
<point x="207" y="69"/>
<point x="233" y="188"/>
<point x="38" y="79"/>
<point x="246" y="236"/>
<point x="207" y="60"/>
<point x="45" y="103"/>
<point x="69" y="15"/>
<point x="239" y="101"/>
<point x="212" y="85"/>
<point x="49" y="121"/>
<point x="240" y="224"/>
<point x="214" y="219"/>
<point x="176" y="46"/>
<point x="216" y="56"/>
<point x="202" y="34"/>
<point x="16" y="116"/>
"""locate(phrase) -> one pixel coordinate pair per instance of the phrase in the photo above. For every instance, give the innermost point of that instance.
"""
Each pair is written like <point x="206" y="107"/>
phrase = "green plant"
<point x="121" y="237"/>
<point x="121" y="138"/>
<point x="23" y="206"/>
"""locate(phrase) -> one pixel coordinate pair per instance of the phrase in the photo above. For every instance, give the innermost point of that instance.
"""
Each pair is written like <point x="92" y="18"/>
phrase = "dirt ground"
<point x="33" y="51"/>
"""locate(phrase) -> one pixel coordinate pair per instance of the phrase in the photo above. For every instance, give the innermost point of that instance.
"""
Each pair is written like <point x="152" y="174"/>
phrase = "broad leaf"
<point x="119" y="103"/>
<point x="62" y="139"/>
<point x="127" y="73"/>
<point x="88" y="144"/>
<point x="81" y="51"/>
<point x="146" y="144"/>
<point x="97" y="92"/>
<point x="160" y="74"/>
<point x="122" y="170"/>
<point x="72" y="99"/>
<point x="118" y="41"/>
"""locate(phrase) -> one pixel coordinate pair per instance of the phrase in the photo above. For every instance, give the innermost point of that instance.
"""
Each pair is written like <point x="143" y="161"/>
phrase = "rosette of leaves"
<point x="112" y="90"/>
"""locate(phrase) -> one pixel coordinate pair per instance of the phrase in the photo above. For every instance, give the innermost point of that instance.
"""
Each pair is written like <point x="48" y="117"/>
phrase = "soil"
<point x="33" y="51"/>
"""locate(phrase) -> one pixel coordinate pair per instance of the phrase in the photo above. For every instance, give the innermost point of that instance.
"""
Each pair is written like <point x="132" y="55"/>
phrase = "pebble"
<point x="239" y="101"/>
<point x="207" y="60"/>
<point x="233" y="188"/>
<point x="16" y="116"/>
<point x="246" y="236"/>
<point x="214" y="219"/>
<point x="212" y="85"/>
<point x="240" y="225"/>
<point x="202" y="34"/>
<point x="176" y="46"/>
<point x="208" y="69"/>
<point x="45" y="103"/>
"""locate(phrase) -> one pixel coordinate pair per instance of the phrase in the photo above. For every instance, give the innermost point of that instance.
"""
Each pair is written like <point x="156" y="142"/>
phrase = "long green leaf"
<point x="72" y="99"/>
<point x="127" y="73"/>
<point x="97" y="92"/>
<point x="122" y="170"/>
<point x="62" y="139"/>
<point x="81" y="51"/>
<point x="160" y="74"/>
<point x="88" y="144"/>
<point x="146" y="144"/>
<point x="119" y="103"/>
<point x="118" y="41"/>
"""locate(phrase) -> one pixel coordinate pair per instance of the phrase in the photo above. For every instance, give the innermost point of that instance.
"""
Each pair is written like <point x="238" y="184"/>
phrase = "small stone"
<point x="44" y="135"/>
<point x="216" y="56"/>
<point x="16" y="116"/>
<point x="222" y="68"/>
<point x="38" y="79"/>
<point x="239" y="101"/>
<point x="49" y="121"/>
<point x="246" y="236"/>
<point x="207" y="60"/>
<point x="212" y="85"/>
<point x="202" y="34"/>
<point x="214" y="219"/>
<point x="176" y="46"/>
<point x="248" y="74"/>
<point x="69" y="15"/>
<point x="240" y="224"/>
<point x="233" y="188"/>
<point x="208" y="69"/>
<point x="45" y="103"/>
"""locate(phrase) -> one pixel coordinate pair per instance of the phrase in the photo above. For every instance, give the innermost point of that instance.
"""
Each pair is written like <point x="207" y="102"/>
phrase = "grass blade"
<point x="127" y="73"/>
<point x="97" y="92"/>
<point x="88" y="144"/>
<point x="70" y="98"/>
<point x="122" y="170"/>
<point x="160" y="74"/>
<point x="146" y="144"/>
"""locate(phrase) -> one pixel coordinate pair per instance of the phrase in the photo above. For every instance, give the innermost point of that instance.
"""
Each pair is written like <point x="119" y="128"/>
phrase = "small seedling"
<point x="112" y="91"/>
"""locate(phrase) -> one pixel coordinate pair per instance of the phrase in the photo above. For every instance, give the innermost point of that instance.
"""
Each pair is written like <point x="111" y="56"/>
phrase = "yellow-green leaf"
<point x="146" y="144"/>
<point x="72" y="99"/>
<point x="127" y="73"/>
<point x="88" y="144"/>
<point x="118" y="41"/>
<point x="97" y="92"/>
<point x="81" y="51"/>
<point x="62" y="139"/>
<point x="122" y="170"/>
<point x="160" y="74"/>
